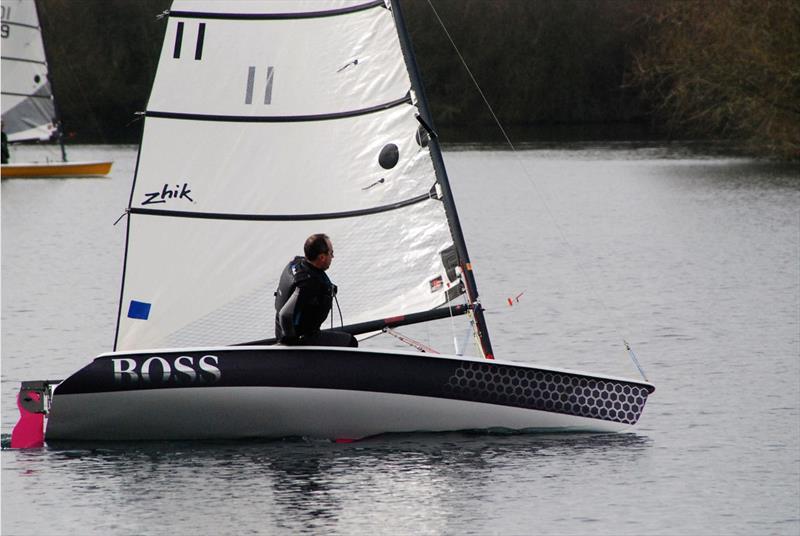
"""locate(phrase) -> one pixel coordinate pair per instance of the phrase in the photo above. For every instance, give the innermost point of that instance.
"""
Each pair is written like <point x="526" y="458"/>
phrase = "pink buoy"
<point x="29" y="431"/>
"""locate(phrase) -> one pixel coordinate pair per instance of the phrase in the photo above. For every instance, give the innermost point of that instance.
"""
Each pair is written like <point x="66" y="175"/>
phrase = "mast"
<point x="56" y="111"/>
<point x="444" y="183"/>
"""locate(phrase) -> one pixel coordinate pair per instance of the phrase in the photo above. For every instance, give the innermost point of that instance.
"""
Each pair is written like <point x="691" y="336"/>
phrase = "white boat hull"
<point x="350" y="394"/>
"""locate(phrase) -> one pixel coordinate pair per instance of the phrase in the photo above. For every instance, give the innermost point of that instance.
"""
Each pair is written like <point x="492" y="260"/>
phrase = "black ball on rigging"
<point x="389" y="156"/>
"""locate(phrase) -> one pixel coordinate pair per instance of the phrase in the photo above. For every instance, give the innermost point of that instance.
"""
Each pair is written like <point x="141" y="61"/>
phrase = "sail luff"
<point x="127" y="244"/>
<point x="441" y="174"/>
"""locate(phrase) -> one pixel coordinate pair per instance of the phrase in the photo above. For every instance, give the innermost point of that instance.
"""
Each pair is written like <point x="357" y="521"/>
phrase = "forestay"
<point x="269" y="121"/>
<point x="28" y="109"/>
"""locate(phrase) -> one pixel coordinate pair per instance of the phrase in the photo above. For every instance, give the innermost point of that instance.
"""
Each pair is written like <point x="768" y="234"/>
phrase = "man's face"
<point x="326" y="258"/>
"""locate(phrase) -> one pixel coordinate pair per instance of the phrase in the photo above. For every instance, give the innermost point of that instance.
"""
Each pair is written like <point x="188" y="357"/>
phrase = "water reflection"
<point x="309" y="486"/>
<point x="302" y="486"/>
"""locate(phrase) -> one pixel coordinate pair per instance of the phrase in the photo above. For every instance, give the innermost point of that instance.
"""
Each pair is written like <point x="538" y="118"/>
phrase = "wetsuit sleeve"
<point x="287" y="317"/>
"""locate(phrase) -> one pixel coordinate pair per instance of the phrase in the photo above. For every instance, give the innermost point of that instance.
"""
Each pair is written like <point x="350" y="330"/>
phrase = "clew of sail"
<point x="269" y="121"/>
<point x="28" y="109"/>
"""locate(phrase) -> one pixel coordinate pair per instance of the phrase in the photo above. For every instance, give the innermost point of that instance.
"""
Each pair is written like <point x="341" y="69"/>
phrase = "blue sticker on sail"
<point x="140" y="310"/>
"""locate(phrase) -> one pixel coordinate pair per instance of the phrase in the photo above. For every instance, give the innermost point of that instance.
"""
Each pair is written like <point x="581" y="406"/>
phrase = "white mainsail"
<point x="269" y="121"/>
<point x="28" y="109"/>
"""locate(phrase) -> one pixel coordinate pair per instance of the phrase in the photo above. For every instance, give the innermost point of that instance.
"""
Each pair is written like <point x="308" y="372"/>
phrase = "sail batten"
<point x="277" y="118"/>
<point x="283" y="217"/>
<point x="46" y="96"/>
<point x="25" y="60"/>
<point x="276" y="16"/>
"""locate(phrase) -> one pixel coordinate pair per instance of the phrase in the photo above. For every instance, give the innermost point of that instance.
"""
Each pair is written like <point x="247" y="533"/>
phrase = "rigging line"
<point x="470" y="334"/>
<point x="635" y="360"/>
<point x="459" y="350"/>
<point x="560" y="230"/>
<point x="409" y="341"/>
<point x="368" y="337"/>
<point x="453" y="328"/>
<point x="341" y="318"/>
<point x="472" y="77"/>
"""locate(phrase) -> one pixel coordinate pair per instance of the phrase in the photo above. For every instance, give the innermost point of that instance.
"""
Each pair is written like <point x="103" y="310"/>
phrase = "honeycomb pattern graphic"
<point x="559" y="392"/>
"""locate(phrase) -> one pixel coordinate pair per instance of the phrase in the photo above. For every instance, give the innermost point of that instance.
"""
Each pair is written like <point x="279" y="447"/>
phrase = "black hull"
<point x="532" y="397"/>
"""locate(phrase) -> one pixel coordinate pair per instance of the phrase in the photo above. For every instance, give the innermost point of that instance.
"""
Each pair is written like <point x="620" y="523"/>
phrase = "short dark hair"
<point x="315" y="245"/>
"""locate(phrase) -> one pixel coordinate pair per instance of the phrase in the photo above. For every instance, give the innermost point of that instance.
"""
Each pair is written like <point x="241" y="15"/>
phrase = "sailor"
<point x="5" y="153"/>
<point x="305" y="297"/>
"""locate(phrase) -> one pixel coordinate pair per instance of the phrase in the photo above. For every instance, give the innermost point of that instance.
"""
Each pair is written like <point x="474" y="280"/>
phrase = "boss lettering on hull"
<point x="181" y="370"/>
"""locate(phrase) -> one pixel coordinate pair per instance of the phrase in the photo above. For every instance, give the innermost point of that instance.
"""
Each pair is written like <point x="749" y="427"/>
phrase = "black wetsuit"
<point x="5" y="148"/>
<point x="302" y="303"/>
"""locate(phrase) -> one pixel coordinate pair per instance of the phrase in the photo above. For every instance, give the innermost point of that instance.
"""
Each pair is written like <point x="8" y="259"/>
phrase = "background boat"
<point x="29" y="109"/>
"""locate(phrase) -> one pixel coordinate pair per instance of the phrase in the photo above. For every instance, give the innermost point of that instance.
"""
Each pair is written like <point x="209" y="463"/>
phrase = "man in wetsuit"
<point x="5" y="145"/>
<point x="304" y="298"/>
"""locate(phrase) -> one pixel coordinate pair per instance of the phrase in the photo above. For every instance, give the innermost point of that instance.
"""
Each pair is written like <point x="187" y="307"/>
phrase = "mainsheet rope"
<point x="615" y="318"/>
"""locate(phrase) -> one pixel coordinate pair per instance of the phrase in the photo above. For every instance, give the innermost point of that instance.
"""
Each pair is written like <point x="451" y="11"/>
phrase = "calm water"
<point x="695" y="260"/>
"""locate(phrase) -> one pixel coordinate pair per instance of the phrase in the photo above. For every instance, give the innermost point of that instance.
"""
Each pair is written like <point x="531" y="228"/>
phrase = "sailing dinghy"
<point x="29" y="111"/>
<point x="269" y="121"/>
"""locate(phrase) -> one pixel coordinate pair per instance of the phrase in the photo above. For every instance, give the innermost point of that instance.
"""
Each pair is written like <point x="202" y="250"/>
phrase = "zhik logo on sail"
<point x="168" y="192"/>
